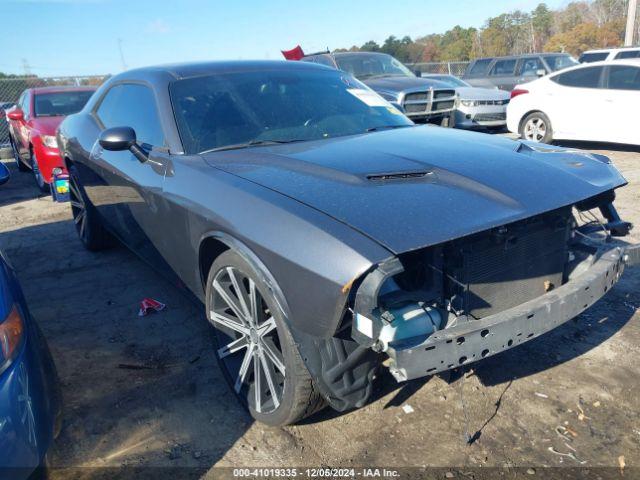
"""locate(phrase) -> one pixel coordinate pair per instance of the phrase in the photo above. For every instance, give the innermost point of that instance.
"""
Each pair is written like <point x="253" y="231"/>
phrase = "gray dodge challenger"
<point x="324" y="233"/>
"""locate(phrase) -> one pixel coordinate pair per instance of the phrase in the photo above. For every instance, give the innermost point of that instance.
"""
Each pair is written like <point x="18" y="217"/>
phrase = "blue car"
<point x="30" y="400"/>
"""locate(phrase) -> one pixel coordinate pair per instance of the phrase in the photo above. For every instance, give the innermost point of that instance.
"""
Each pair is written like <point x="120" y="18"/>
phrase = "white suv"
<point x="606" y="54"/>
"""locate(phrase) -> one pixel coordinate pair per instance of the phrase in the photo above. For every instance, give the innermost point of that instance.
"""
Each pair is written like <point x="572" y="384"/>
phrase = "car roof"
<point x="612" y="49"/>
<point x="181" y="71"/>
<point x="634" y="62"/>
<point x="64" y="88"/>
<point x="522" y="55"/>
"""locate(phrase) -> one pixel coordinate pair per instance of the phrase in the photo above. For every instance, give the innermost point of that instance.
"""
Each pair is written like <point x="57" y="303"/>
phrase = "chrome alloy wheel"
<point x="250" y="347"/>
<point x="78" y="208"/>
<point x="535" y="129"/>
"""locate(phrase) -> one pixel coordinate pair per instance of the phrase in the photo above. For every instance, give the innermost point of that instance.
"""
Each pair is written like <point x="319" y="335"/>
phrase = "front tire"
<point x="93" y="235"/>
<point x="37" y="175"/>
<point x="536" y="127"/>
<point x="254" y="347"/>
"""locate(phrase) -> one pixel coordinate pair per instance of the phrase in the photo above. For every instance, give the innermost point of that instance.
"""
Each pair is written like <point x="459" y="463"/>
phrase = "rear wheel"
<point x="92" y="233"/>
<point x="254" y="348"/>
<point x="37" y="175"/>
<point x="536" y="127"/>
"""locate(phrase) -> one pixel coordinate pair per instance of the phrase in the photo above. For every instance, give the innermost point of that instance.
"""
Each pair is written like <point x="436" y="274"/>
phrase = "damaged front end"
<point x="451" y="304"/>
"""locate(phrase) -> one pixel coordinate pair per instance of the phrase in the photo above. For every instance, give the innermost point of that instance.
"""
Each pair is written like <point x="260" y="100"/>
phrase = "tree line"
<point x="580" y="26"/>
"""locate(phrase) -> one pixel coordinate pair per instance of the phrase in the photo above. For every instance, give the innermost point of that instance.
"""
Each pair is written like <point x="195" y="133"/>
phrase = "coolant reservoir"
<point x="410" y="321"/>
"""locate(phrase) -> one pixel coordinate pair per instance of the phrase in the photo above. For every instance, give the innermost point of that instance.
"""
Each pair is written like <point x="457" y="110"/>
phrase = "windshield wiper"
<point x="252" y="143"/>
<point x="387" y="127"/>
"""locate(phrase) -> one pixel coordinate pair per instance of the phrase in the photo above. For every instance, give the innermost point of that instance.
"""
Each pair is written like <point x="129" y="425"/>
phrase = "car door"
<point x="503" y="72"/>
<point x="622" y="103"/>
<point x="131" y="189"/>
<point x="576" y="104"/>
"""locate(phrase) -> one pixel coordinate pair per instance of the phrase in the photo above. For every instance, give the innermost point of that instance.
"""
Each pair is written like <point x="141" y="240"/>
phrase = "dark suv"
<point x="421" y="99"/>
<point x="507" y="72"/>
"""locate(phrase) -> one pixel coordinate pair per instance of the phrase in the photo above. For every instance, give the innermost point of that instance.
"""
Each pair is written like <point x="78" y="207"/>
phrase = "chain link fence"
<point x="450" y="68"/>
<point x="12" y="88"/>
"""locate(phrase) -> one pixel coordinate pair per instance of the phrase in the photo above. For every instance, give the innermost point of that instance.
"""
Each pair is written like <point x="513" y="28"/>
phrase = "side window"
<point x="582" y="78"/>
<point x="504" y="68"/>
<point x="624" y="77"/>
<point x="628" y="54"/>
<point x="530" y="66"/>
<point x="130" y="105"/>
<point x="480" y="66"/>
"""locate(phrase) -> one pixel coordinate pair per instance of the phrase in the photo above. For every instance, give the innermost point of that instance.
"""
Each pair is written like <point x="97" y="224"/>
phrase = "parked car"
<point x="30" y="400"/>
<point x="325" y="233"/>
<point x="32" y="126"/>
<point x="594" y="101"/>
<point x="506" y="72"/>
<point x="476" y="107"/>
<point x="5" y="175"/>
<point x="622" y="53"/>
<point x="421" y="99"/>
<point x="4" y="122"/>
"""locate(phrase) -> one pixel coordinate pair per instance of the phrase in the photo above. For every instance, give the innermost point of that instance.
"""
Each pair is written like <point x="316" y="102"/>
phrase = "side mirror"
<point x="4" y="174"/>
<point x="118" y="139"/>
<point x="541" y="72"/>
<point x="418" y="73"/>
<point x="15" y="114"/>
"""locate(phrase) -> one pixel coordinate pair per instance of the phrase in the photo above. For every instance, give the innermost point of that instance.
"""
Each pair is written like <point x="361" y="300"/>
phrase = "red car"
<point x="32" y="128"/>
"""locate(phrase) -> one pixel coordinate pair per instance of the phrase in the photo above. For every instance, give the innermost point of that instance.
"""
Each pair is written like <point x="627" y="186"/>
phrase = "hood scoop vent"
<point x="381" y="177"/>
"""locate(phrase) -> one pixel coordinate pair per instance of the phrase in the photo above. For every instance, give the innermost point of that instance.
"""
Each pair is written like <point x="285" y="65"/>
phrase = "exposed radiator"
<point x="507" y="266"/>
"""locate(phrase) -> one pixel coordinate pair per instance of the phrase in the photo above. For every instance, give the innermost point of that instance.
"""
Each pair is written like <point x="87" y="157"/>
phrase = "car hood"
<point x="477" y="93"/>
<point x="47" y="125"/>
<point x="400" y="84"/>
<point x="419" y="186"/>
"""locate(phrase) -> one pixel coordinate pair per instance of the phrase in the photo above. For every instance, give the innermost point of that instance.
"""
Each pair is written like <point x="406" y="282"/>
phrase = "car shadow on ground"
<point x="139" y="392"/>
<point x="21" y="186"/>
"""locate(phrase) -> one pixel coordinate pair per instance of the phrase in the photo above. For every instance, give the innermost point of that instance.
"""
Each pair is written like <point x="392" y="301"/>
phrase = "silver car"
<point x="477" y="107"/>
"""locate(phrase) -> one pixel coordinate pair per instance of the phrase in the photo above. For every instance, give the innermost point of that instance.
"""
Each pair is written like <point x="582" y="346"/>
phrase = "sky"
<point x="82" y="37"/>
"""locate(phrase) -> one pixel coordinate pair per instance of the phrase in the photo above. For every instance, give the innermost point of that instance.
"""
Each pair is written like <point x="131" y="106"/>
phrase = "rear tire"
<point x="536" y="127"/>
<point x="93" y="235"/>
<point x="256" y="343"/>
<point x="37" y="175"/>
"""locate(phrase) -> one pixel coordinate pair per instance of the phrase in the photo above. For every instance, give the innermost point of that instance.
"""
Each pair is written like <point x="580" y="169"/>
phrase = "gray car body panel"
<point x="471" y="182"/>
<point x="305" y="215"/>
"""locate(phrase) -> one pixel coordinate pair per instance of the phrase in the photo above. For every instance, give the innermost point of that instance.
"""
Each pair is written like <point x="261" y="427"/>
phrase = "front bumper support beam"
<point x="472" y="341"/>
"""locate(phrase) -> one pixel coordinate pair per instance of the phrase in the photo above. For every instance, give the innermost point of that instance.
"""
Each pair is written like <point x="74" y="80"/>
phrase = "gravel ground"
<point x="147" y="391"/>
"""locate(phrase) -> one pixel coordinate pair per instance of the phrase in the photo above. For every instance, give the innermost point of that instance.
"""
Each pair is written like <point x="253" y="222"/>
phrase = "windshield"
<point x="239" y="108"/>
<point x="449" y="80"/>
<point x="363" y="66"/>
<point x="558" y="62"/>
<point x="60" y="103"/>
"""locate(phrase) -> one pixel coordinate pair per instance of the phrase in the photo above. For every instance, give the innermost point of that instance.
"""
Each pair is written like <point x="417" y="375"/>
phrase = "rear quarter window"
<point x="624" y="77"/>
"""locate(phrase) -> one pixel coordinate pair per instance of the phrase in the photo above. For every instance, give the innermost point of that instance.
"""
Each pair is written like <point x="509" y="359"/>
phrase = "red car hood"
<point x="47" y="125"/>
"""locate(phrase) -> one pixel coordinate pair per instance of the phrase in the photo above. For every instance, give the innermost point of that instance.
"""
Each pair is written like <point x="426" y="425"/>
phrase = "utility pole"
<point x="26" y="67"/>
<point x="124" y="64"/>
<point x="631" y="20"/>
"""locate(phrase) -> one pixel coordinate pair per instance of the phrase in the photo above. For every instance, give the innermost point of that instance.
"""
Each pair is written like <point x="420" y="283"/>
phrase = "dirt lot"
<point x="177" y="411"/>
